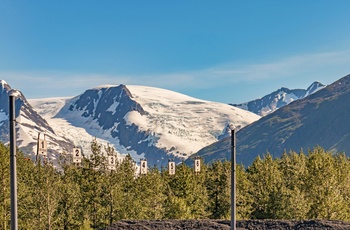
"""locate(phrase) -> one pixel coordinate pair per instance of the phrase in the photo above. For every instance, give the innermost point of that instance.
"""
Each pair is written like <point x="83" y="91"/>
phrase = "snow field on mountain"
<point x="28" y="133"/>
<point x="48" y="109"/>
<point x="179" y="123"/>
<point x="183" y="123"/>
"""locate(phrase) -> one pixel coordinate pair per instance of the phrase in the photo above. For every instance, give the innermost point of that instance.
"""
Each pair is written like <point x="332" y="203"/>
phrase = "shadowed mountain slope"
<point x="321" y="119"/>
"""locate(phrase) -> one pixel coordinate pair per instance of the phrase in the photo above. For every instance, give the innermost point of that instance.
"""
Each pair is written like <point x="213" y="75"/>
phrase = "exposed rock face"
<point x="29" y="124"/>
<point x="107" y="107"/>
<point x="23" y="112"/>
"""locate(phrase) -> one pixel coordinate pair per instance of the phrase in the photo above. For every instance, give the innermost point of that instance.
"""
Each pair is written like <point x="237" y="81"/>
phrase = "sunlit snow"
<point x="175" y="121"/>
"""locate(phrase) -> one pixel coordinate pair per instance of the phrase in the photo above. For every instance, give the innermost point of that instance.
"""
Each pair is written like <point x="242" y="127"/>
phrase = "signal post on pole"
<point x="171" y="167"/>
<point x="143" y="166"/>
<point x="197" y="164"/>
<point x="111" y="163"/>
<point x="41" y="148"/>
<point x="77" y="155"/>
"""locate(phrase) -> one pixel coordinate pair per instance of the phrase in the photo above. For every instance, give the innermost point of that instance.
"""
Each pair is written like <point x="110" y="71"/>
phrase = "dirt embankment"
<point x="225" y="224"/>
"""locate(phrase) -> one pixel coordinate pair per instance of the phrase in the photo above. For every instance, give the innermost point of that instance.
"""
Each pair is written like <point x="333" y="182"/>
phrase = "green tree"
<point x="244" y="200"/>
<point x="5" y="186"/>
<point x="186" y="194"/>
<point x="148" y="192"/>
<point x="69" y="209"/>
<point x="324" y="190"/>
<point x="267" y="189"/>
<point x="218" y="183"/>
<point x="123" y="194"/>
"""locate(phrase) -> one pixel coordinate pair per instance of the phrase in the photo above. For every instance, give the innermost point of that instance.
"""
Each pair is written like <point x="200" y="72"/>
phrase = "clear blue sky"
<point x="226" y="51"/>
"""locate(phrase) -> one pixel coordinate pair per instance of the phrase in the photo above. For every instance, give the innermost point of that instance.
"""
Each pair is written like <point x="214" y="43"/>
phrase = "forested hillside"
<point x="296" y="186"/>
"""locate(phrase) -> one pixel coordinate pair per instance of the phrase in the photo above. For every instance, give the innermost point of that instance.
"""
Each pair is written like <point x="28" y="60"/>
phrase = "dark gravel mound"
<point x="225" y="224"/>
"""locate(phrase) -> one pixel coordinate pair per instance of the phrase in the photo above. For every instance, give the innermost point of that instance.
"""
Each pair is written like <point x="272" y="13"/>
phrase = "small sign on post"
<point x="77" y="155"/>
<point x="111" y="162"/>
<point x="143" y="166"/>
<point x="197" y="165"/>
<point x="42" y="147"/>
<point x="171" y="167"/>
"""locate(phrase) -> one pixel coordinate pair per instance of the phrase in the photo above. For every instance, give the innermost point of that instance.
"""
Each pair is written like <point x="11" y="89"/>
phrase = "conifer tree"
<point x="5" y="188"/>
<point x="92" y="176"/>
<point x="267" y="188"/>
<point x="324" y="192"/>
<point x="294" y="202"/>
<point x="218" y="185"/>
<point x="124" y="196"/>
<point x="69" y="209"/>
<point x="149" y="195"/>
<point x="186" y="197"/>
<point x="244" y="199"/>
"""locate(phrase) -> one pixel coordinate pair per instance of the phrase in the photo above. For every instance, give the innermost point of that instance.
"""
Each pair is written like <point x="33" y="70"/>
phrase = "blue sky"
<point x="226" y="51"/>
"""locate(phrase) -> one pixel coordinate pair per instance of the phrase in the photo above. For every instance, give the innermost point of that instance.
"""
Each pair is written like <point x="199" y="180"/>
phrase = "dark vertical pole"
<point x="13" y="171"/>
<point x="233" y="179"/>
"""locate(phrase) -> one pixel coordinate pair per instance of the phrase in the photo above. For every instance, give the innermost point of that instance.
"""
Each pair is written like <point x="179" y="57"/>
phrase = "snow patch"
<point x="3" y="117"/>
<point x="3" y="82"/>
<point x="134" y="117"/>
<point x="113" y="107"/>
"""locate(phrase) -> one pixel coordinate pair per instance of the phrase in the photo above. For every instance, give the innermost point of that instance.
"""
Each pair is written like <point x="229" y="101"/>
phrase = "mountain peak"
<point x="3" y="82"/>
<point x="278" y="99"/>
<point x="4" y="86"/>
<point x="314" y="87"/>
<point x="283" y="89"/>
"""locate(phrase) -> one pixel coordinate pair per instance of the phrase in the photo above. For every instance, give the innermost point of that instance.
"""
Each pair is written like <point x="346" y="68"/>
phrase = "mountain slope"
<point x="29" y="124"/>
<point x="319" y="119"/>
<point x="278" y="99"/>
<point x="146" y="122"/>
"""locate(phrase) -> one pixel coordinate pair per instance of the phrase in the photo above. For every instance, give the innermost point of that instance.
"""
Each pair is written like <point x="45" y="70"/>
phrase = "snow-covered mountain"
<point x="148" y="122"/>
<point x="278" y="99"/>
<point x="28" y="125"/>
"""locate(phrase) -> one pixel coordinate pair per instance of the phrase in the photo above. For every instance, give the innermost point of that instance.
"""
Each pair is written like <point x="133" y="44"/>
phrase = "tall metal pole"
<point x="233" y="179"/>
<point x="13" y="170"/>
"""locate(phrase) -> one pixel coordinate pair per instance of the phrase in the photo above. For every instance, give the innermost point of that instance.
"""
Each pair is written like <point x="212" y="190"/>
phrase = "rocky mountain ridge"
<point x="318" y="119"/>
<point x="28" y="125"/>
<point x="278" y="99"/>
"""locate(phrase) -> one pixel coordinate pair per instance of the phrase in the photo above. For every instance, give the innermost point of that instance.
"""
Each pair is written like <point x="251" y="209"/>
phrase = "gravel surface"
<point x="225" y="224"/>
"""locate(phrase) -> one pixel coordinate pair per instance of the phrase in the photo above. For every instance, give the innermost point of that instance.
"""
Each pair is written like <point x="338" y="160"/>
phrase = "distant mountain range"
<point x="321" y="118"/>
<point x="148" y="122"/>
<point x="278" y="99"/>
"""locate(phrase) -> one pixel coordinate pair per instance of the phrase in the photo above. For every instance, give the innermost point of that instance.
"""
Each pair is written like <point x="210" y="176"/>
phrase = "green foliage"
<point x="218" y="183"/>
<point x="5" y="186"/>
<point x="186" y="194"/>
<point x="89" y="196"/>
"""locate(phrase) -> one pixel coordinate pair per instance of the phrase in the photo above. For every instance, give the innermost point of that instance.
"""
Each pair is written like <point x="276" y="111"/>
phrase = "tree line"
<point x="295" y="186"/>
